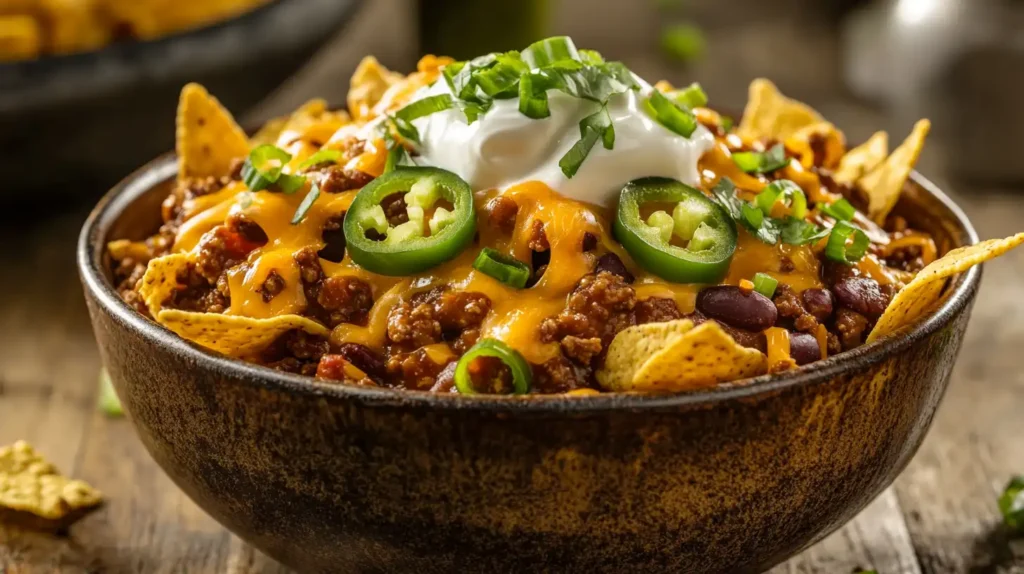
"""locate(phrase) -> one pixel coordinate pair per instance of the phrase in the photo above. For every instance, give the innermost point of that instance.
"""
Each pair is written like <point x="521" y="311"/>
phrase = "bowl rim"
<point x="89" y="258"/>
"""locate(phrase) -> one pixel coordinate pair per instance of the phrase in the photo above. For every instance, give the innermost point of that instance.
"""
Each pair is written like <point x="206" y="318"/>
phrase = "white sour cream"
<point x="504" y="148"/>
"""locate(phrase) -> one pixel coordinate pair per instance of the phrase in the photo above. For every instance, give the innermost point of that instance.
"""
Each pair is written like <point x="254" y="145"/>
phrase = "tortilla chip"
<point x="862" y="159"/>
<point x="368" y="84"/>
<point x="914" y="300"/>
<point x="33" y="493"/>
<point x="208" y="137"/>
<point x="770" y="115"/>
<point x="270" y="131"/>
<point x="20" y="38"/>
<point x="232" y="335"/>
<point x="884" y="183"/>
<point x="676" y="356"/>
<point x="801" y="143"/>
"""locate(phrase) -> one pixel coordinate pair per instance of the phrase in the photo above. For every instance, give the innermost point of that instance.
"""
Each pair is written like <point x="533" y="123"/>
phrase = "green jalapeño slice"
<point x="692" y="244"/>
<point x="441" y="221"/>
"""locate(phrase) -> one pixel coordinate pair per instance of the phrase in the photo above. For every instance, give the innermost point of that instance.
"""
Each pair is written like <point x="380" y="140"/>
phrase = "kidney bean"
<point x="818" y="302"/>
<point x="862" y="294"/>
<point x="804" y="348"/>
<point x="611" y="263"/>
<point x="363" y="358"/>
<point x="751" y="311"/>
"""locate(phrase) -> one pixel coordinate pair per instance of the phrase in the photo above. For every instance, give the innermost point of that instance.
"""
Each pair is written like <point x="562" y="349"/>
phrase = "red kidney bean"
<point x="751" y="311"/>
<point x="611" y="263"/>
<point x="862" y="294"/>
<point x="818" y="302"/>
<point x="804" y="348"/>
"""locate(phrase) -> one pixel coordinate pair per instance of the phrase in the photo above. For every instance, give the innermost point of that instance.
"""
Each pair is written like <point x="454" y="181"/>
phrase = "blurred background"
<point x="88" y="90"/>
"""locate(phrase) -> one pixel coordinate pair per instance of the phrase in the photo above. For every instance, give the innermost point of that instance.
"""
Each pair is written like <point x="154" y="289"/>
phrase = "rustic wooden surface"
<point x="940" y="516"/>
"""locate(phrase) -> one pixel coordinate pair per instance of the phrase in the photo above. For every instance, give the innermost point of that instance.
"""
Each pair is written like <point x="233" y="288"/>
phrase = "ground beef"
<point x="221" y="249"/>
<point x="581" y="350"/>
<point x="601" y="305"/>
<point x="560" y="375"/>
<point x="364" y="358"/>
<point x="851" y="326"/>
<point x="272" y="285"/>
<point x="538" y="239"/>
<point x="395" y="209"/>
<point x="248" y="229"/>
<point x="833" y="272"/>
<point x="296" y="352"/>
<point x="657" y="310"/>
<point x="501" y="213"/>
<point x="791" y="310"/>
<point x="415" y="370"/>
<point x="437" y="315"/>
<point x="196" y="293"/>
<point x="333" y="368"/>
<point x="336" y="179"/>
<point x="332" y="300"/>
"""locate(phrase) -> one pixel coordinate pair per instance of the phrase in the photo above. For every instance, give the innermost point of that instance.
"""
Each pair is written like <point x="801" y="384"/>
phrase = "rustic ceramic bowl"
<point x="337" y="478"/>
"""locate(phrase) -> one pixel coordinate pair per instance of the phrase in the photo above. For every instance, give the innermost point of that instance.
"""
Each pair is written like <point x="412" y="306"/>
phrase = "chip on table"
<point x="34" y="494"/>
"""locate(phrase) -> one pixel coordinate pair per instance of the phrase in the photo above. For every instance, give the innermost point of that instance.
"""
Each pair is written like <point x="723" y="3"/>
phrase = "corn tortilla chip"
<point x="802" y="140"/>
<point x="924" y="290"/>
<point x="368" y="84"/>
<point x="862" y="159"/>
<point x="208" y="136"/>
<point x="269" y="133"/>
<point x="33" y="493"/>
<point x="20" y="37"/>
<point x="676" y="356"/>
<point x="884" y="183"/>
<point x="232" y="335"/>
<point x="635" y="345"/>
<point x="770" y="115"/>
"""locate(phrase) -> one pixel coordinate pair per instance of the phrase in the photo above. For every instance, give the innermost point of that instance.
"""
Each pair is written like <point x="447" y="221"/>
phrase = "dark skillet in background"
<point x="75" y="124"/>
<point x="338" y="478"/>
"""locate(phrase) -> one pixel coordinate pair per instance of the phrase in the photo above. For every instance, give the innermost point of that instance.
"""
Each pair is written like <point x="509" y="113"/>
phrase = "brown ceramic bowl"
<point x="337" y="478"/>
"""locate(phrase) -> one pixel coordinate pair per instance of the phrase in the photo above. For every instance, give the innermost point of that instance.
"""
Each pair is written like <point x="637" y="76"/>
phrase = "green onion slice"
<point x="597" y="126"/>
<point x="783" y="189"/>
<point x="840" y="209"/>
<point x="322" y="156"/>
<point x="691" y="96"/>
<point x="307" y="202"/>
<point x="550" y="50"/>
<point x="522" y="375"/>
<point x="263" y="166"/>
<point x="108" y="402"/>
<point x="508" y="270"/>
<point x="837" y="249"/>
<point x="533" y="96"/>
<point x="1011" y="504"/>
<point x="765" y="284"/>
<point x="727" y="123"/>
<point x="762" y="162"/>
<point x="591" y="57"/>
<point x="288" y="183"/>
<point x="676" y="118"/>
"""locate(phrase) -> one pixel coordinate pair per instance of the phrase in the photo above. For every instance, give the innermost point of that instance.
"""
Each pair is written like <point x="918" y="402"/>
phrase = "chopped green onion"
<point x="691" y="96"/>
<point x="533" y="99"/>
<point x="762" y="162"/>
<point x="727" y="123"/>
<point x="765" y="284"/>
<point x="307" y="202"/>
<point x="522" y="375"/>
<point x="108" y="402"/>
<point x="424" y="107"/>
<point x="837" y="250"/>
<point x="783" y="189"/>
<point x="753" y="216"/>
<point x="322" y="156"/>
<point x="669" y="114"/>
<point x="1011" y="504"/>
<point x="550" y="50"/>
<point x="508" y="270"/>
<point x="597" y="126"/>
<point x="500" y="79"/>
<point x="288" y="183"/>
<point x="405" y="129"/>
<point x="795" y="231"/>
<point x="840" y="209"/>
<point x="591" y="57"/>
<point x="683" y="42"/>
<point x="263" y="166"/>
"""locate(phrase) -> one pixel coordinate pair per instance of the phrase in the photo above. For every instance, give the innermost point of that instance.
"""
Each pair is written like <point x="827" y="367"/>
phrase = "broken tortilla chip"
<point x="208" y="138"/>
<point x="231" y="335"/>
<point x="34" y="494"/>
<point x="771" y="115"/>
<point x="884" y="183"/>
<point x="676" y="356"/>
<point x="862" y="159"/>
<point x="914" y="300"/>
<point x="804" y="141"/>
<point x="368" y="84"/>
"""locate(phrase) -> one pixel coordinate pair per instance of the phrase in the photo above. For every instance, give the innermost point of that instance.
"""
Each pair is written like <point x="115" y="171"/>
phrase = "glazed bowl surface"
<point x="339" y="478"/>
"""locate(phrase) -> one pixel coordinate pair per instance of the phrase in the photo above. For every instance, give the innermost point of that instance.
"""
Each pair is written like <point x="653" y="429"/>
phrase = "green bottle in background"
<point x="464" y="29"/>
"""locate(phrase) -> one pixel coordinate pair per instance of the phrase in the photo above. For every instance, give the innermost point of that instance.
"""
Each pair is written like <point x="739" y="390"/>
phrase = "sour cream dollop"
<point x="504" y="147"/>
